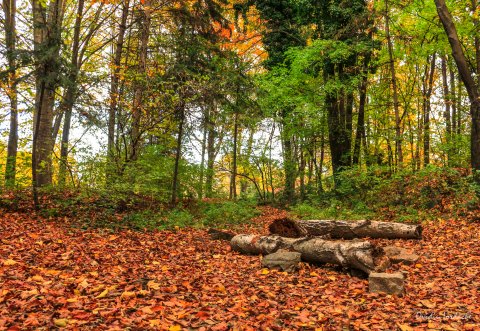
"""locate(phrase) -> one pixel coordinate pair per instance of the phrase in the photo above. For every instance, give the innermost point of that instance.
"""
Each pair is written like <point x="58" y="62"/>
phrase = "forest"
<point x="152" y="150"/>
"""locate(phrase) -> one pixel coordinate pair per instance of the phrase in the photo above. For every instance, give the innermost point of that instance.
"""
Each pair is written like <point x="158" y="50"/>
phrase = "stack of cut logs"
<point x="329" y="241"/>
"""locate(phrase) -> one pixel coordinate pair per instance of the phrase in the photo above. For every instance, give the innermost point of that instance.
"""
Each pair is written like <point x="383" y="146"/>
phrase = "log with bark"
<point x="356" y="254"/>
<point x="336" y="229"/>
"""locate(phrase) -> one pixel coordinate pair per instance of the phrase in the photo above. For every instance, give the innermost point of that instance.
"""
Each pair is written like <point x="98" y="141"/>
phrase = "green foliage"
<point x="403" y="196"/>
<point x="204" y="214"/>
<point x="334" y="209"/>
<point x="166" y="220"/>
<point x="221" y="214"/>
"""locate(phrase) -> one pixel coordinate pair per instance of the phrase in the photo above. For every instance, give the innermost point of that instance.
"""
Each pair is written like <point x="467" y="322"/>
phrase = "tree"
<point x="10" y="10"/>
<point x="47" y="25"/>
<point x="466" y="73"/>
<point x="282" y="32"/>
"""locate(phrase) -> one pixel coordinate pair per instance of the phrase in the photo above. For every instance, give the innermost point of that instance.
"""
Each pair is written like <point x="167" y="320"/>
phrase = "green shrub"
<point x="228" y="212"/>
<point x="403" y="196"/>
<point x="177" y="217"/>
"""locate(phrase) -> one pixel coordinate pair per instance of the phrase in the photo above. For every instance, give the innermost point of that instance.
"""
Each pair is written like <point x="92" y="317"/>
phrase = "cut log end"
<point x="285" y="227"/>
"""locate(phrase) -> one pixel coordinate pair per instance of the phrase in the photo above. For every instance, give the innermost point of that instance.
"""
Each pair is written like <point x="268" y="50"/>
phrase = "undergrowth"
<point x="375" y="194"/>
<point x="403" y="196"/>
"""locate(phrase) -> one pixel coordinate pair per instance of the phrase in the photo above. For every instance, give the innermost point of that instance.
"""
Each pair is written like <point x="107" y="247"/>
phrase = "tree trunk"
<point x="47" y="42"/>
<point x="204" y="149"/>
<point x="301" y="170"/>
<point x="10" y="10"/>
<point x="70" y="94"/>
<point x="245" y="160"/>
<point x="427" y="94"/>
<point x="114" y="87"/>
<point x="233" y="177"/>
<point x="288" y="161"/>
<point x="361" y="255"/>
<point x="345" y="229"/>
<point x="360" y="134"/>
<point x="178" y="152"/>
<point x="453" y="99"/>
<point x="210" y="154"/>
<point x="447" y="114"/>
<point x="396" y="107"/>
<point x="339" y="108"/>
<point x="467" y="79"/>
<point x="144" y="20"/>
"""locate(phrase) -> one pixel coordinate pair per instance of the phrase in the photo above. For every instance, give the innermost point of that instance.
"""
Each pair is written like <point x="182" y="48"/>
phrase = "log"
<point x="356" y="254"/>
<point x="220" y="235"/>
<point x="336" y="229"/>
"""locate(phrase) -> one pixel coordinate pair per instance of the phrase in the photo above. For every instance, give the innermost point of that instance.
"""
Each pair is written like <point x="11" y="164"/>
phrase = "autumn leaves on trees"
<point x="198" y="98"/>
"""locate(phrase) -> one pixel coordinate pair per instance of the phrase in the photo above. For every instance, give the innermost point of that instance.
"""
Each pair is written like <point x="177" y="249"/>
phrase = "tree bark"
<point x="10" y="10"/>
<point x="345" y="229"/>
<point x="361" y="255"/>
<point x="47" y="41"/>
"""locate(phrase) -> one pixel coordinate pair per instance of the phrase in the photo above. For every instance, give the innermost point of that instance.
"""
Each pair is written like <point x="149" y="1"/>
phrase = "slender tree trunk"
<point x="71" y="94"/>
<point x="10" y="10"/>
<point x="320" y="166"/>
<point x="210" y="155"/>
<point x="360" y="134"/>
<point x="447" y="114"/>
<point x="289" y="163"/>
<point x="233" y="178"/>
<point x="301" y="171"/>
<point x="396" y="106"/>
<point x="114" y="87"/>
<point x="459" y="106"/>
<point x="428" y="88"/>
<point x="467" y="79"/>
<point x="246" y="158"/>
<point x="419" y="135"/>
<point x="453" y="99"/>
<point x="178" y="152"/>
<point x="144" y="21"/>
<point x="270" y="166"/>
<point x="204" y="148"/>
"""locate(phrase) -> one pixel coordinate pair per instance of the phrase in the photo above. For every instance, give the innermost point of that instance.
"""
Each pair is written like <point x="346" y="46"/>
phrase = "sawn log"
<point x="357" y="254"/>
<point x="336" y="229"/>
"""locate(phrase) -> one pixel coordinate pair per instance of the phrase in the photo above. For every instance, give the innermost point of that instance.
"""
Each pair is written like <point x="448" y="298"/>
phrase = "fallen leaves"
<point x="9" y="262"/>
<point x="61" y="322"/>
<point x="92" y="279"/>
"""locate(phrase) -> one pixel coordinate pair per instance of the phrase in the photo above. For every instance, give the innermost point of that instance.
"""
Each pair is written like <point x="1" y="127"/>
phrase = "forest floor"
<point x="55" y="275"/>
